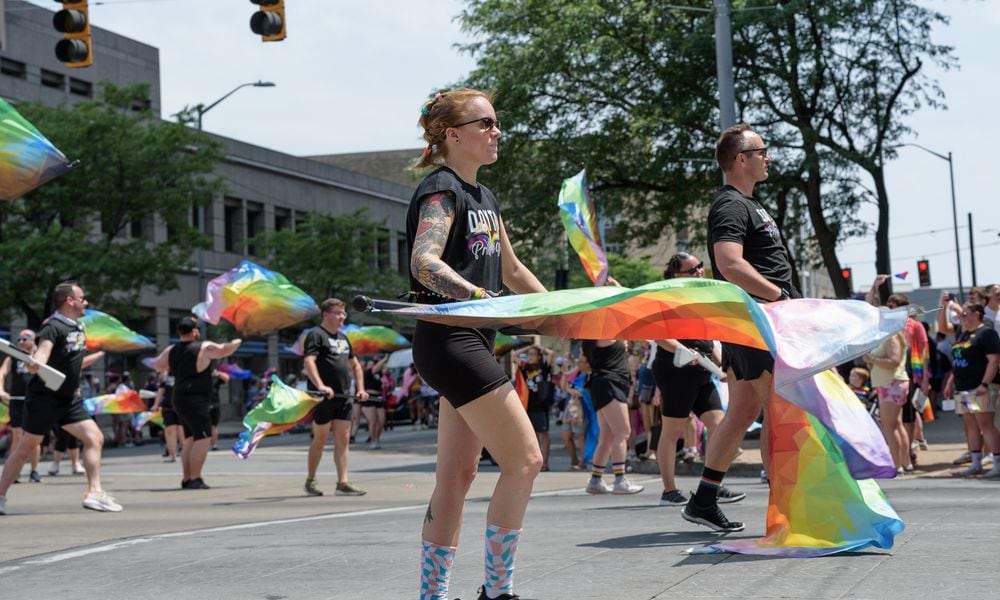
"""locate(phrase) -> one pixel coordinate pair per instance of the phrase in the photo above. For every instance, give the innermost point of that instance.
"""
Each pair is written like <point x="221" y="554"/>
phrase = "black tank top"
<point x="183" y="361"/>
<point x="609" y="361"/>
<point x="473" y="246"/>
<point x="18" y="377"/>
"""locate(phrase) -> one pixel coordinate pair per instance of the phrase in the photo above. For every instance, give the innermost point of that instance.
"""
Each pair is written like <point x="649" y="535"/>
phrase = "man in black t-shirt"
<point x="745" y="248"/>
<point x="62" y="345"/>
<point x="329" y="364"/>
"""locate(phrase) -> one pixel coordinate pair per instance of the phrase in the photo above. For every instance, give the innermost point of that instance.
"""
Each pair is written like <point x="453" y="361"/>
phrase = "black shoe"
<point x="197" y="484"/>
<point x="185" y="484"/>
<point x="728" y="496"/>
<point x="709" y="516"/>
<point x="483" y="596"/>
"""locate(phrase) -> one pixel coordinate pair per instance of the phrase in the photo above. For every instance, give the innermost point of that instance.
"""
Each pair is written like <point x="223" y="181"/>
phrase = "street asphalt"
<point x="256" y="535"/>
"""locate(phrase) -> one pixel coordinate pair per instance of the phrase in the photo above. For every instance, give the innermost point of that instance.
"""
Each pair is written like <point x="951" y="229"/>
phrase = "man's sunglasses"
<point x="763" y="151"/>
<point x="695" y="268"/>
<point x="485" y="123"/>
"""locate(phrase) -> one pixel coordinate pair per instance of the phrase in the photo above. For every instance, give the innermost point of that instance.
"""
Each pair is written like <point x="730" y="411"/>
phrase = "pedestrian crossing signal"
<point x="75" y="49"/>
<point x="924" y="272"/>
<point x="269" y="21"/>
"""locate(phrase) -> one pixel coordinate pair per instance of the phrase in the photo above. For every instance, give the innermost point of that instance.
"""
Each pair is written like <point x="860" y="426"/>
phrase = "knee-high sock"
<point x="435" y="570"/>
<point x="501" y="548"/>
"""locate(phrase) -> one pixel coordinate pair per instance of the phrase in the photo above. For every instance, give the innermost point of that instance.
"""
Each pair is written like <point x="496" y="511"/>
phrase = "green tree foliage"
<point x="95" y="224"/>
<point x="332" y="256"/>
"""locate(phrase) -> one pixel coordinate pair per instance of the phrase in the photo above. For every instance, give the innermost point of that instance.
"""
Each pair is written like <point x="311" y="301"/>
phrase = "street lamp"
<point x="201" y="109"/>
<point x="954" y="210"/>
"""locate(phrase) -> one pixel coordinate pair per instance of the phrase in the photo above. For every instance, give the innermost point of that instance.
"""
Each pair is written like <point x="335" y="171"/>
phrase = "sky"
<point x="351" y="76"/>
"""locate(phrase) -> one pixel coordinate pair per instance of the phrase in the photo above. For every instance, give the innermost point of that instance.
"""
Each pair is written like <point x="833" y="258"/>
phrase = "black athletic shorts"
<point x="170" y="417"/>
<point x="373" y="403"/>
<point x="193" y="412"/>
<point x="747" y="363"/>
<point x="684" y="390"/>
<point x="909" y="411"/>
<point x="332" y="409"/>
<point x="66" y="441"/>
<point x="539" y="420"/>
<point x="457" y="362"/>
<point x="42" y="412"/>
<point x="213" y="414"/>
<point x="16" y="413"/>
<point x="605" y="389"/>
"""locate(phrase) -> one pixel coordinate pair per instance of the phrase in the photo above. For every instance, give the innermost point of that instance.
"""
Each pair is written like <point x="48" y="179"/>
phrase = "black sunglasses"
<point x="695" y="268"/>
<point x="763" y="151"/>
<point x="486" y="123"/>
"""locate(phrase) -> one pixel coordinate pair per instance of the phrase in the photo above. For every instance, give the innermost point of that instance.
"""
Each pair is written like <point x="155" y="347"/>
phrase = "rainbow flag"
<point x="115" y="404"/>
<point x="283" y="408"/>
<point x="141" y="419"/>
<point x="521" y="387"/>
<point x="505" y="343"/>
<point x="807" y="337"/>
<point x="107" y="333"/>
<point x="576" y="210"/>
<point x="255" y="300"/>
<point x="918" y="350"/>
<point x="27" y="158"/>
<point x="234" y="371"/>
<point x="4" y="413"/>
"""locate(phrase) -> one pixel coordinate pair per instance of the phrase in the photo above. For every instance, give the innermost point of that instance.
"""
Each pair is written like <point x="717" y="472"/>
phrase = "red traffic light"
<point x="922" y="265"/>
<point x="845" y="273"/>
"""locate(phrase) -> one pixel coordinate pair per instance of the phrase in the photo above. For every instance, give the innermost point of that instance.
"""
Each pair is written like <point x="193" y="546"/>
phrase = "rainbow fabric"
<point x="576" y="209"/>
<point x="918" y="349"/>
<point x="115" y="404"/>
<point x="4" y="413"/>
<point x="141" y="419"/>
<point x="234" y="371"/>
<point x="824" y="449"/>
<point x="367" y="339"/>
<point x="107" y="333"/>
<point x="505" y="343"/>
<point x="27" y="158"/>
<point x="521" y="387"/>
<point x="255" y="300"/>
<point x="283" y="408"/>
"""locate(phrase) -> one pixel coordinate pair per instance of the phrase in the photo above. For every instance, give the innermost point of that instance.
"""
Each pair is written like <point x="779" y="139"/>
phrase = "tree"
<point x="332" y="256"/>
<point x="95" y="224"/>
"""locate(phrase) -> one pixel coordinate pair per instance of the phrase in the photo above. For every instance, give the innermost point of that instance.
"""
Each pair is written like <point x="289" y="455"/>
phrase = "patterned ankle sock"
<point x="619" y="470"/>
<point x="597" y="471"/>
<point x="501" y="548"/>
<point x="708" y="489"/>
<point x="435" y="570"/>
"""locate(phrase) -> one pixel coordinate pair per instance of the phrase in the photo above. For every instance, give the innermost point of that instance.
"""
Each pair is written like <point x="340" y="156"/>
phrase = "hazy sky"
<point x="351" y="77"/>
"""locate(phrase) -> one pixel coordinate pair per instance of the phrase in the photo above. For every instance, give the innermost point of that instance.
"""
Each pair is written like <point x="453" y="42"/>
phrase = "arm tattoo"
<point x="436" y="216"/>
<point x="428" y="517"/>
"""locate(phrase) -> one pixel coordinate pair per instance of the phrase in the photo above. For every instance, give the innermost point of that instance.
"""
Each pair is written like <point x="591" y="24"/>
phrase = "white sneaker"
<point x="987" y="461"/>
<point x="54" y="469"/>
<point x="101" y="502"/>
<point x="597" y="486"/>
<point x="625" y="487"/>
<point x="78" y="469"/>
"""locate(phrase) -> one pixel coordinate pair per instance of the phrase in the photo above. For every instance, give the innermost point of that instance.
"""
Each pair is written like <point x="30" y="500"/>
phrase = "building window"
<point x="383" y="260"/>
<point x="81" y="87"/>
<point x="13" y="68"/>
<point x="235" y="228"/>
<point x="402" y="254"/>
<point x="255" y="225"/>
<point x="282" y="219"/>
<point x="53" y="80"/>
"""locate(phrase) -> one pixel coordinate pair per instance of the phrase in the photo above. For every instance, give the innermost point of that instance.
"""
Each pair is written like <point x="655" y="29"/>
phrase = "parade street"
<point x="256" y="535"/>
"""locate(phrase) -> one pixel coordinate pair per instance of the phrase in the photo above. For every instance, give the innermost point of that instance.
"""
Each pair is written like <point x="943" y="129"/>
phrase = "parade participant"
<point x="745" y="248"/>
<point x="685" y="389"/>
<point x="219" y="379"/>
<point x="537" y="372"/>
<point x="62" y="345"/>
<point x="609" y="387"/>
<point x="374" y="406"/>
<point x="14" y="376"/>
<point x="329" y="364"/>
<point x="164" y="402"/>
<point x="190" y="362"/>
<point x="460" y="251"/>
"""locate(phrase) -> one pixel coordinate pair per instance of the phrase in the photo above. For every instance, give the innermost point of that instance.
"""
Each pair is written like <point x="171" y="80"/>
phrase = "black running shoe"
<point x="483" y="596"/>
<point x="709" y="516"/>
<point x="198" y="484"/>
<point x="185" y="484"/>
<point x="673" y="498"/>
<point x="728" y="496"/>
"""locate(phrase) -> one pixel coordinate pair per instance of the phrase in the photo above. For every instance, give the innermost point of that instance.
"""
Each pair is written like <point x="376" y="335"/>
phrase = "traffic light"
<point x="924" y="272"/>
<point x="75" y="49"/>
<point x="269" y="21"/>
<point x="562" y="279"/>
<point x="845" y="274"/>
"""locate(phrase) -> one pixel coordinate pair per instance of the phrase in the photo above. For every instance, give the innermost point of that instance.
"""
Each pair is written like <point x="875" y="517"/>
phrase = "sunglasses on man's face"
<point x="24" y="339"/>
<point x="485" y="123"/>
<point x="695" y="268"/>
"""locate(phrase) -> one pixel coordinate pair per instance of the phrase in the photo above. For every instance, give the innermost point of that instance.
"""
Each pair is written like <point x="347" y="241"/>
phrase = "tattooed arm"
<point x="437" y="213"/>
<point x="515" y="275"/>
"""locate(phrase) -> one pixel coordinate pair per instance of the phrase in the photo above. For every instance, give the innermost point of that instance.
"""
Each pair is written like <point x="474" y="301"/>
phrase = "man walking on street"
<point x="329" y="364"/>
<point x="62" y="345"/>
<point x="745" y="248"/>
<point x="190" y="362"/>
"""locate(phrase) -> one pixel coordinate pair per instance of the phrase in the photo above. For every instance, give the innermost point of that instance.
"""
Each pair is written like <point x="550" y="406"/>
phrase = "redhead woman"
<point x="460" y="251"/>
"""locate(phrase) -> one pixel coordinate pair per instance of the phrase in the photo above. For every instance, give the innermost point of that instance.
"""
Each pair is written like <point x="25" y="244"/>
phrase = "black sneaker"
<point x="198" y="484"/>
<point x="728" y="496"/>
<point x="483" y="596"/>
<point x="709" y="516"/>
<point x="673" y="498"/>
<point x="185" y="484"/>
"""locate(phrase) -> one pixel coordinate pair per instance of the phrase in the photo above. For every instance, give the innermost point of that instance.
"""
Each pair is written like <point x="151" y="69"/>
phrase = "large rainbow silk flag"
<point x="576" y="210"/>
<point x="141" y="419"/>
<point x="255" y="300"/>
<point x="107" y="333"/>
<point x="234" y="371"/>
<point x="115" y="404"/>
<point x="27" y="158"/>
<point x="826" y="447"/>
<point x="283" y="408"/>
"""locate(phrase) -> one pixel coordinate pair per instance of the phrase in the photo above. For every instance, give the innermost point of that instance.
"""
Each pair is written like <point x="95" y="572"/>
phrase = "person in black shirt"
<point x="190" y="363"/>
<point x="14" y="375"/>
<point x="537" y="373"/>
<point x="460" y="251"/>
<point x="374" y="406"/>
<point x="329" y="363"/>
<point x="62" y="345"/>
<point x="745" y="248"/>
